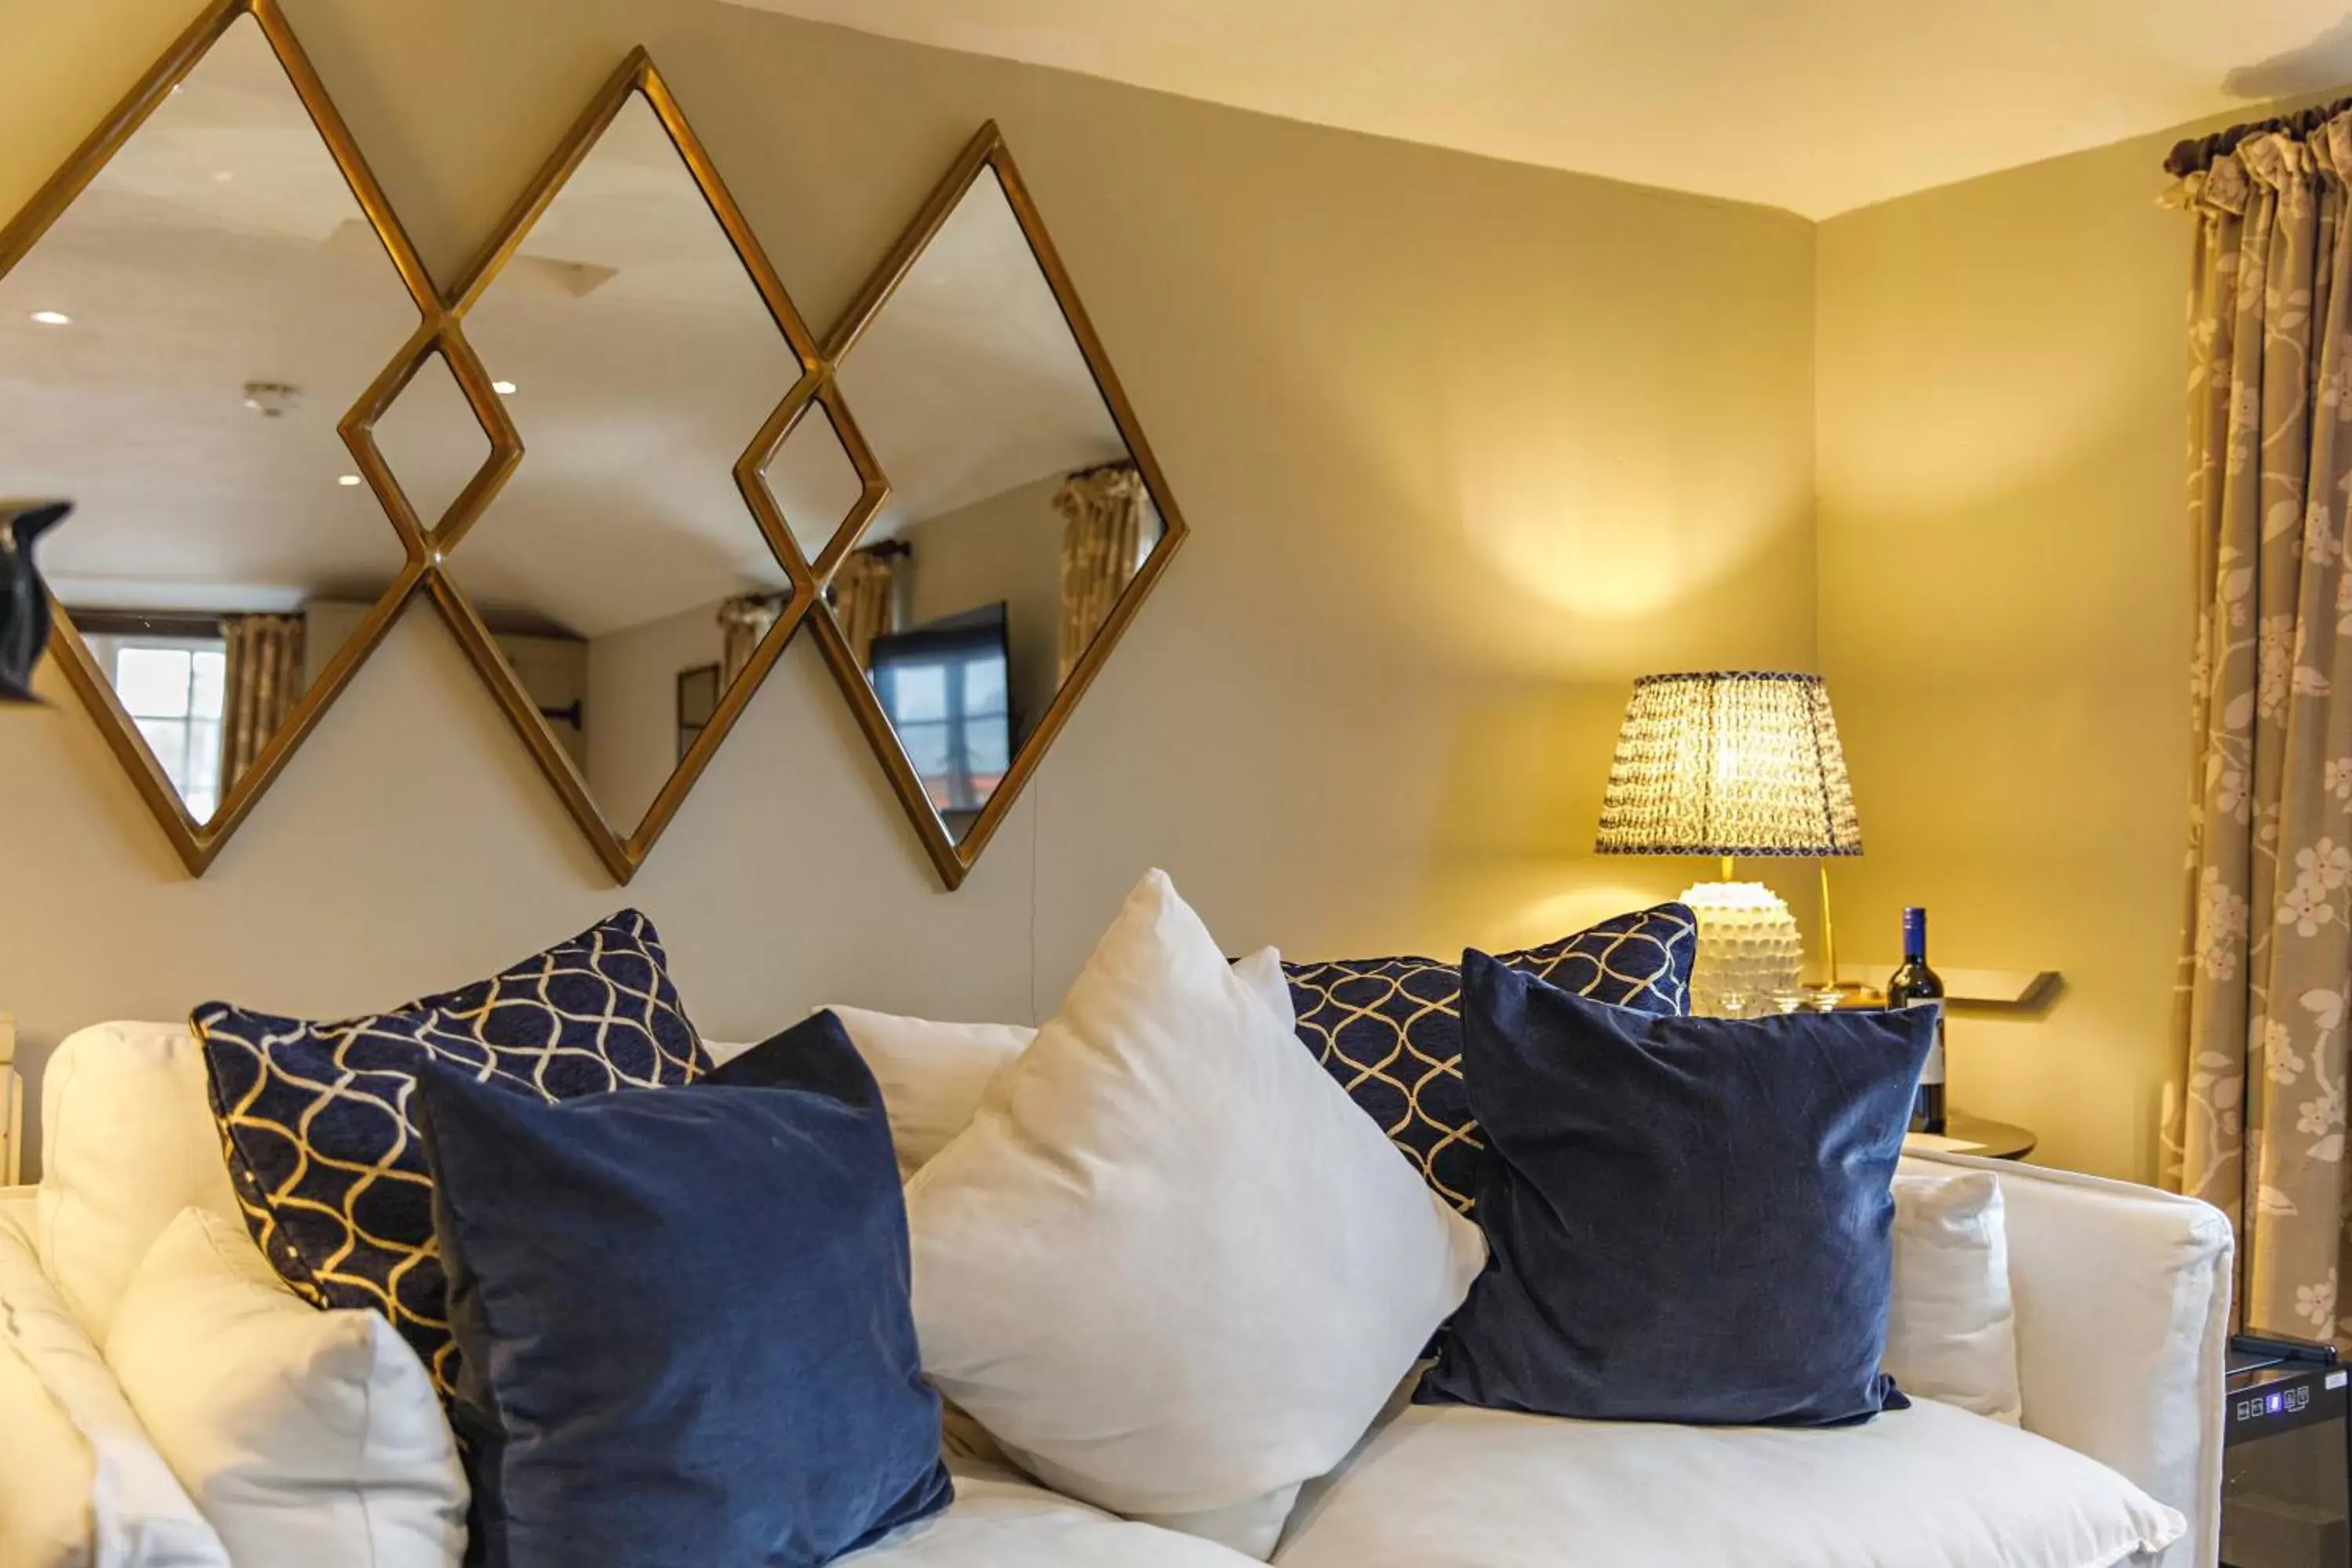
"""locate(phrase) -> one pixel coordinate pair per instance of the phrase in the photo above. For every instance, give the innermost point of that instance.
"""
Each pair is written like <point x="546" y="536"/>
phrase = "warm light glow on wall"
<point x="1616" y="546"/>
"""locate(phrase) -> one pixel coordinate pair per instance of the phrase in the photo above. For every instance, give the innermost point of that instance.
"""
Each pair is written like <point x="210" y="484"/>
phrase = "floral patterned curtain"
<point x="263" y="682"/>
<point x="864" y="596"/>
<point x="742" y="622"/>
<point x="2256" y="1118"/>
<point x="1104" y="512"/>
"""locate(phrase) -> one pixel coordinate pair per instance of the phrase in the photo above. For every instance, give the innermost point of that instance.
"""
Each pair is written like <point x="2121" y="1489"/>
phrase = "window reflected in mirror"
<point x="1017" y="516"/>
<point x="175" y="352"/>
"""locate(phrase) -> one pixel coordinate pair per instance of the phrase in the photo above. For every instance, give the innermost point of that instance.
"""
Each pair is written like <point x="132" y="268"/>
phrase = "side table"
<point x="1965" y="1134"/>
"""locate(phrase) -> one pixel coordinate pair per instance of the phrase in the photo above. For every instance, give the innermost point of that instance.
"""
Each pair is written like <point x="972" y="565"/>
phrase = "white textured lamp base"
<point x="1748" y="950"/>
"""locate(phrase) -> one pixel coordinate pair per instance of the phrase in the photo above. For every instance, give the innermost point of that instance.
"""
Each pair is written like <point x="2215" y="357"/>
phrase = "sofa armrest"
<point x="2122" y="1327"/>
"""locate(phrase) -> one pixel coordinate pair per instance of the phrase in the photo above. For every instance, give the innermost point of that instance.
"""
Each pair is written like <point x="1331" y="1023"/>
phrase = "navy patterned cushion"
<point x="322" y="1142"/>
<point x="1390" y="1029"/>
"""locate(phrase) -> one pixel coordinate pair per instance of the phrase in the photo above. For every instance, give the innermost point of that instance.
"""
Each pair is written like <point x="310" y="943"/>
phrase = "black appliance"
<point x="947" y="686"/>
<point x="2286" y="1460"/>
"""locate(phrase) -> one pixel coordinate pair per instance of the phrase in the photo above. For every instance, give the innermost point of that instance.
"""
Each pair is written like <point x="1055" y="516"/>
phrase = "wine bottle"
<point x="1917" y="985"/>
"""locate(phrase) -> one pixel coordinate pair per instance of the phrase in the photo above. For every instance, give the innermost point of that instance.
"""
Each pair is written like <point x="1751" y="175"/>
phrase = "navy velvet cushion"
<point x="1689" y="1219"/>
<point x="684" y="1316"/>
<point x="1390" y="1029"/>
<point x="317" y="1122"/>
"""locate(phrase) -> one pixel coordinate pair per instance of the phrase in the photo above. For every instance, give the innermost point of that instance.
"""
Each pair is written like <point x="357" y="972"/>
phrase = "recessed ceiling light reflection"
<point x="503" y="388"/>
<point x="348" y="480"/>
<point x="53" y="318"/>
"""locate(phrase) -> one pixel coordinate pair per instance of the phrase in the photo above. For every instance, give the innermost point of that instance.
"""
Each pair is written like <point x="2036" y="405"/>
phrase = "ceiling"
<point x="1818" y="106"/>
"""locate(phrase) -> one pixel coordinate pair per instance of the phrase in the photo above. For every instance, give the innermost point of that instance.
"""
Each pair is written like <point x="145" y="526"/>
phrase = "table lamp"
<point x="24" y="603"/>
<point x="1729" y="763"/>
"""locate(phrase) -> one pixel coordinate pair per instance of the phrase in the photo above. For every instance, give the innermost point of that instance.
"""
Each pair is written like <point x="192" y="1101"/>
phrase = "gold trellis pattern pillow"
<point x="321" y="1144"/>
<point x="1390" y="1029"/>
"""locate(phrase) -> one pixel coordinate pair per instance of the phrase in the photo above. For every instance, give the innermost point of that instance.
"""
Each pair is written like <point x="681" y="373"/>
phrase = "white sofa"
<point x="2122" y="1312"/>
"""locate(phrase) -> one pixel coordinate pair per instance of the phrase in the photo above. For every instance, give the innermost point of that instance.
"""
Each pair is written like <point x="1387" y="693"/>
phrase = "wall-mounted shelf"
<point x="1990" y="990"/>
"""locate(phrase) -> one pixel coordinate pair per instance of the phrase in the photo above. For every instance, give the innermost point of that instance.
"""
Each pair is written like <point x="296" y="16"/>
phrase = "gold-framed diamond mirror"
<point x="621" y="541"/>
<point x="1025" y="520"/>
<point x="188" y="309"/>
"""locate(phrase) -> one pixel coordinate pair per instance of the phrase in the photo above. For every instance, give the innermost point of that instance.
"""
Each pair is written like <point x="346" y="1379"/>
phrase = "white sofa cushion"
<point x="1951" y="1328"/>
<point x="999" y="1520"/>
<point x="135" y="1513"/>
<point x="305" y="1437"/>
<point x="1930" y="1487"/>
<point x="1170" y="1265"/>
<point x="128" y="1140"/>
<point x="933" y="1075"/>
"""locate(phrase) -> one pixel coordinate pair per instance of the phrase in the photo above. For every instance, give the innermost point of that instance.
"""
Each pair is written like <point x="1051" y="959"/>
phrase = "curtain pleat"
<point x="2255" y="1115"/>
<point x="865" y="601"/>
<point x="1104" y="512"/>
<point x="742" y="622"/>
<point x="264" y="680"/>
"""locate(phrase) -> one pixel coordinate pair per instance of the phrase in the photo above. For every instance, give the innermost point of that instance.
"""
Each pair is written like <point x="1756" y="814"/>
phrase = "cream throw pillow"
<point x="1951" y="1327"/>
<point x="306" y="1437"/>
<point x="933" y="1075"/>
<point x="1171" y="1267"/>
<point x="128" y="1140"/>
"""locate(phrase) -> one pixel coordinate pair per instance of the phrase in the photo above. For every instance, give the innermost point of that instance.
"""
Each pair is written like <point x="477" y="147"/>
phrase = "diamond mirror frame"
<point x="623" y="851"/>
<point x="198" y="843"/>
<point x="955" y="858"/>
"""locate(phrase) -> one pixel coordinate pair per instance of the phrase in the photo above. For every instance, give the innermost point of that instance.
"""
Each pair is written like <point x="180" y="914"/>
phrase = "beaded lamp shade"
<point x="1729" y="763"/>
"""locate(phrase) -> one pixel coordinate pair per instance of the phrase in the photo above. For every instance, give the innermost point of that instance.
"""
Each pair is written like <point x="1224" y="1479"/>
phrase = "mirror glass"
<point x="815" y="480"/>
<point x="1016" y="517"/>
<point x="638" y="361"/>
<point x="175" y="354"/>
<point x="431" y="441"/>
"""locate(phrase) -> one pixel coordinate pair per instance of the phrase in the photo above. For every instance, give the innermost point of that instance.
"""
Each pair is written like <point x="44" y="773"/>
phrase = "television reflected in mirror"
<point x="947" y="688"/>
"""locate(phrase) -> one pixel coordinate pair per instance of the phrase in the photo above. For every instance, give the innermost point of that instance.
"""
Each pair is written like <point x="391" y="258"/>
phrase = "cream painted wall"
<point x="631" y="707"/>
<point x="2004" y="587"/>
<point x="1465" y="446"/>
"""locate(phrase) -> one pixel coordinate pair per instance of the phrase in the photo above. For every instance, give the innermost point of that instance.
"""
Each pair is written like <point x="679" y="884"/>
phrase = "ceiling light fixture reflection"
<point x="53" y="318"/>
<point x="348" y="480"/>
<point x="503" y="388"/>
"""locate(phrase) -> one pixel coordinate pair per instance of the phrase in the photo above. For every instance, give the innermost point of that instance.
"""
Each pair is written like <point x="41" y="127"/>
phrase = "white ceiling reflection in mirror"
<point x="431" y="441"/>
<point x="816" y="482"/>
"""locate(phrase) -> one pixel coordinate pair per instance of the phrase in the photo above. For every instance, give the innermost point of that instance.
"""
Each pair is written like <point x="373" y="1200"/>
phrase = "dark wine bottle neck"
<point x="1915" y="936"/>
